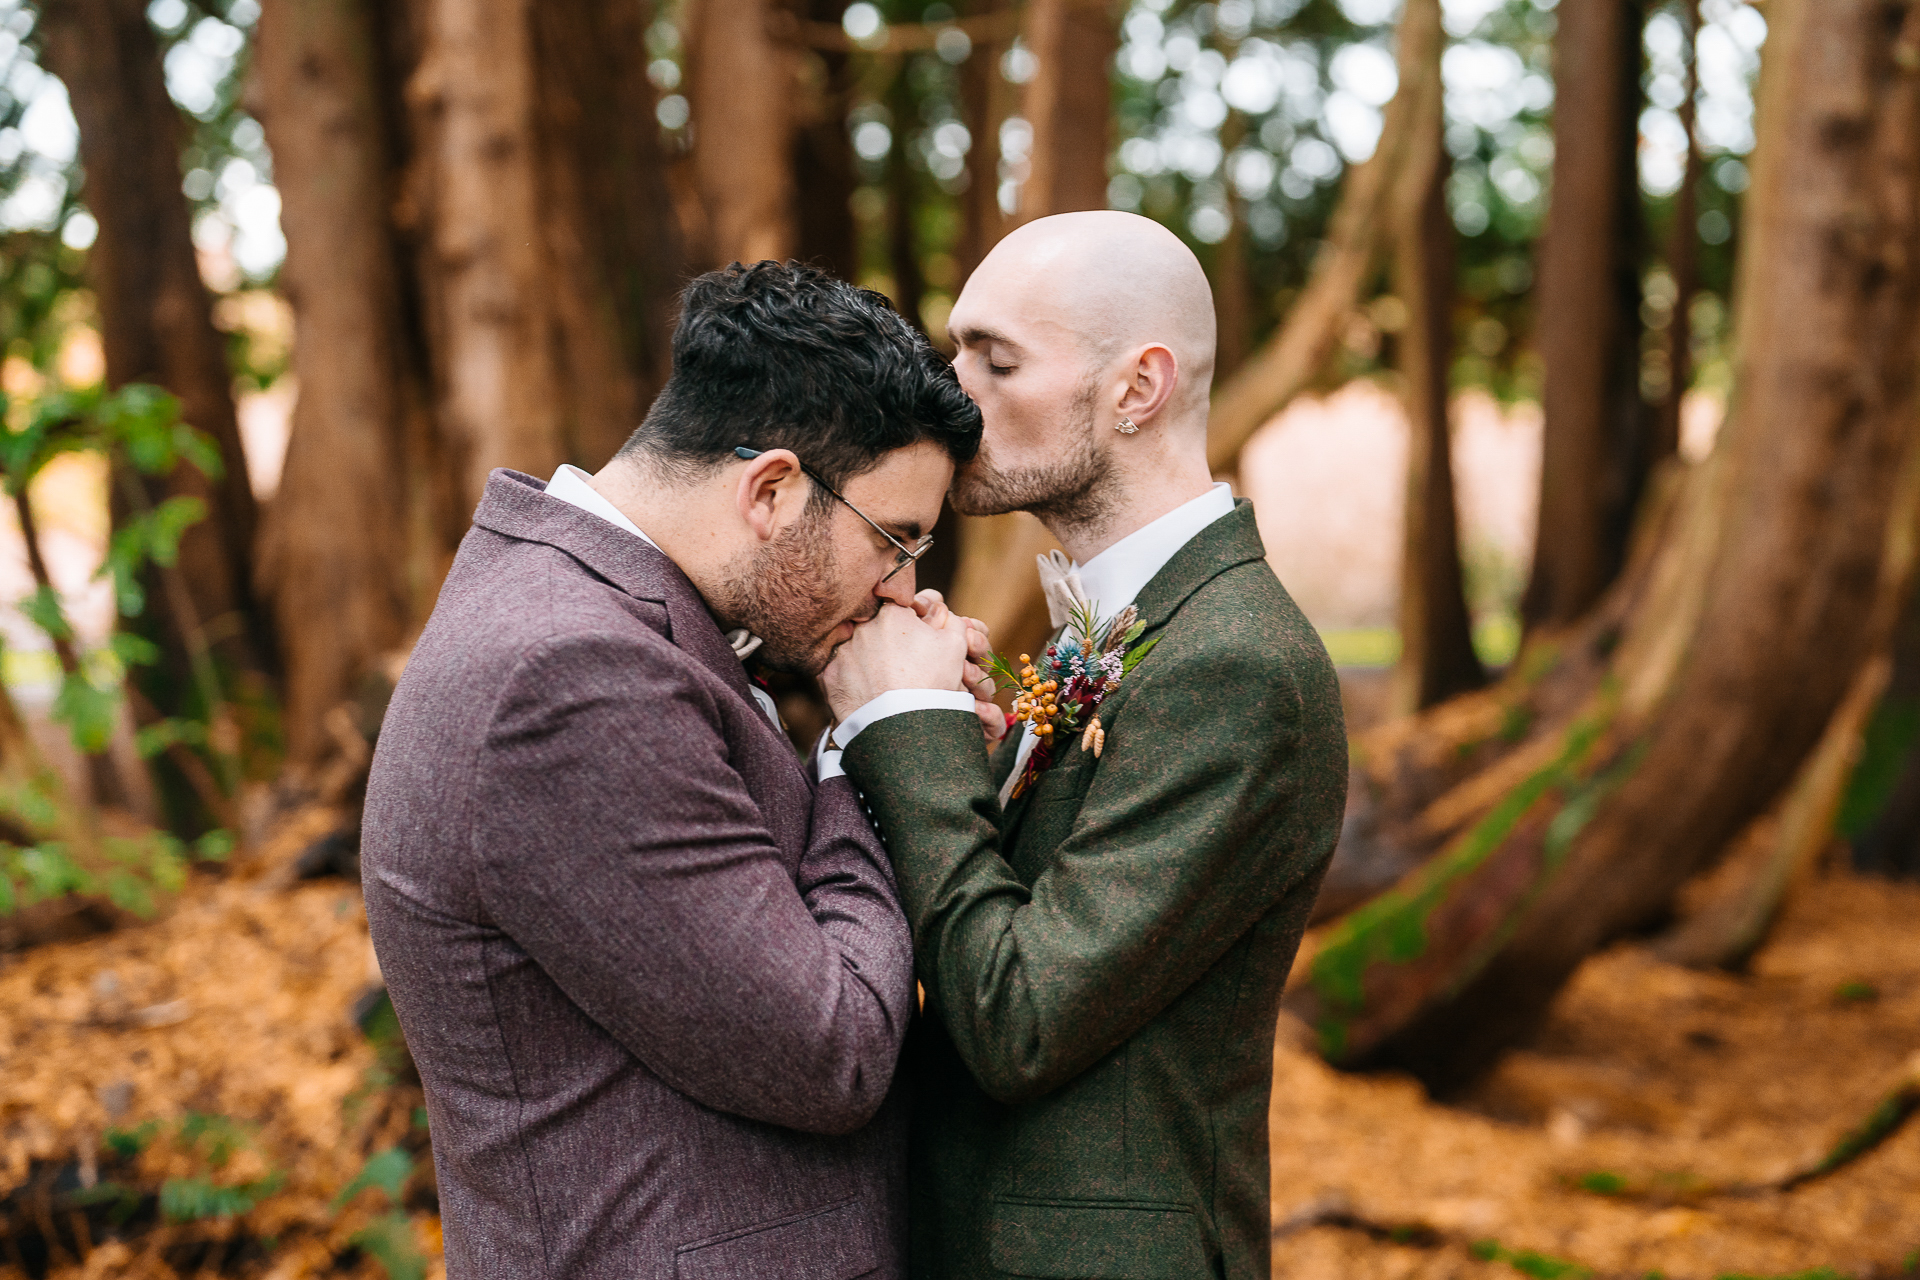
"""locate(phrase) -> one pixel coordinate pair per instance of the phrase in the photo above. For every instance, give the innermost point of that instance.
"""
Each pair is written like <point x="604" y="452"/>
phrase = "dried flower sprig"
<point x="1061" y="693"/>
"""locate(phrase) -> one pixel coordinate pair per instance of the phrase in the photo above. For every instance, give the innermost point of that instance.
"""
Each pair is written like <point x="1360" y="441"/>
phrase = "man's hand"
<point x="897" y="650"/>
<point x="929" y="604"/>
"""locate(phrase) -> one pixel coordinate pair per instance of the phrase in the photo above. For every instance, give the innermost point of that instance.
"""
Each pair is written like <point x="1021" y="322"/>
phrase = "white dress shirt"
<point x="1112" y="580"/>
<point x="569" y="484"/>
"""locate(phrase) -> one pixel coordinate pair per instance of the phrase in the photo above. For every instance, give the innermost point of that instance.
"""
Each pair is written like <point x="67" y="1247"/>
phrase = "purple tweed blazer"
<point x="655" y="979"/>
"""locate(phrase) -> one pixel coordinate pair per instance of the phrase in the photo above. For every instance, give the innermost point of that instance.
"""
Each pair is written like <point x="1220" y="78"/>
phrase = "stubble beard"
<point x="785" y="595"/>
<point x="1070" y="493"/>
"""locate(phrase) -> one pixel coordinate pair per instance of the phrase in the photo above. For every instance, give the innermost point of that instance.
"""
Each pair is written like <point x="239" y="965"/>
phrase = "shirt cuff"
<point x="896" y="702"/>
<point x="826" y="759"/>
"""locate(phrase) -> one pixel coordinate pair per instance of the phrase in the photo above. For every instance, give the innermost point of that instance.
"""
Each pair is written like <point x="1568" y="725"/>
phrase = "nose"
<point x="899" y="588"/>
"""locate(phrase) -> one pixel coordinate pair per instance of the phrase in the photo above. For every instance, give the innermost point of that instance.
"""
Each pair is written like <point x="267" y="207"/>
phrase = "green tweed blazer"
<point x="1103" y="961"/>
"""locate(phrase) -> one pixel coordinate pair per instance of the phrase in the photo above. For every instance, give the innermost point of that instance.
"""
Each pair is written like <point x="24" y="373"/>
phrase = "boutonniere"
<point x="1060" y="695"/>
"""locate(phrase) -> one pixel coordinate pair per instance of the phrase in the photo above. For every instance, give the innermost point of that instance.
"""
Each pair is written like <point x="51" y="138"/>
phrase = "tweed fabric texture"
<point x="1103" y="961"/>
<point x="656" y="980"/>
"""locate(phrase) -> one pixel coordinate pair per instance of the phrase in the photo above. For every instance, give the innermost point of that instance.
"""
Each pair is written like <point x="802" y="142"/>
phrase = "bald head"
<point x="1087" y="341"/>
<point x="1115" y="281"/>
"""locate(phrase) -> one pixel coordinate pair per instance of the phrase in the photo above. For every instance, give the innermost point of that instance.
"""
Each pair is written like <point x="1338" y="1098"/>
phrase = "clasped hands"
<point x="926" y="647"/>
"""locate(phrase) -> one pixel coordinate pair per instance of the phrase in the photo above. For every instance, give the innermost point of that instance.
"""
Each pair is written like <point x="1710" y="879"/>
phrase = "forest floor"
<point x="219" y="1050"/>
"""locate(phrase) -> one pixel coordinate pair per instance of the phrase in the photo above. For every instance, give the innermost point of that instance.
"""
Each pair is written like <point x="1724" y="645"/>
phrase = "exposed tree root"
<point x="1888" y="1115"/>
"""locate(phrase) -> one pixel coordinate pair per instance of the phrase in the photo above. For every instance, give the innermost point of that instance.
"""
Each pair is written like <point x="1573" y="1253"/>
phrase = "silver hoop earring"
<point x="1125" y="426"/>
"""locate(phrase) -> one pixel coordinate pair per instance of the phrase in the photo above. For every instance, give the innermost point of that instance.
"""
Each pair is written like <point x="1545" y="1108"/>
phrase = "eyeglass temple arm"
<point x="741" y="451"/>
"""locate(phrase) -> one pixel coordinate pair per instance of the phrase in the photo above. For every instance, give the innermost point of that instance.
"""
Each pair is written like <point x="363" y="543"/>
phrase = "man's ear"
<point x="770" y="492"/>
<point x="1156" y="372"/>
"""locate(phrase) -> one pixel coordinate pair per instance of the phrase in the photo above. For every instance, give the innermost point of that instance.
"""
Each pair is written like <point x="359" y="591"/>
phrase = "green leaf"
<point x="389" y="1241"/>
<point x="31" y="805"/>
<point x="88" y="711"/>
<point x="1132" y="660"/>
<point x="50" y="873"/>
<point x="133" y="650"/>
<point x="171" y="519"/>
<point x="140" y="420"/>
<point x="389" y="1171"/>
<point x="199" y="450"/>
<point x="197" y="1199"/>
<point x="128" y="1143"/>
<point x="214" y="846"/>
<point x="150" y="740"/>
<point x="129" y="892"/>
<point x="223" y="1135"/>
<point x="8" y="899"/>
<point x="43" y="611"/>
<point x="126" y="552"/>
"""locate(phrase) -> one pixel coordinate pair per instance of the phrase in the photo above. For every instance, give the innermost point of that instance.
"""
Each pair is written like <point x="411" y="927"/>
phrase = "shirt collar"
<point x="1117" y="575"/>
<point x="569" y="484"/>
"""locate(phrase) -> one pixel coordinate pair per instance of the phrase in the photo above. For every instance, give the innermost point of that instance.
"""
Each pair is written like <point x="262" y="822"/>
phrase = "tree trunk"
<point x="1593" y="456"/>
<point x="903" y="248"/>
<point x="1069" y="104"/>
<point x="1437" y="659"/>
<point x="482" y="269"/>
<point x="1233" y="304"/>
<point x="615" y="264"/>
<point x="1747" y="632"/>
<point x="986" y="100"/>
<point x="499" y="387"/>
<point x="739" y="86"/>
<point x="1683" y="260"/>
<point x="1885" y="830"/>
<point x="157" y="326"/>
<point x="335" y="554"/>
<point x="824" y="175"/>
<point x="1308" y="338"/>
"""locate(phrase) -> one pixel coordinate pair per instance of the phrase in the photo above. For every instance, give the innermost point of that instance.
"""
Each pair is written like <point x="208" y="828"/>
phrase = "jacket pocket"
<point x="1110" y="1240"/>
<point x="821" y="1244"/>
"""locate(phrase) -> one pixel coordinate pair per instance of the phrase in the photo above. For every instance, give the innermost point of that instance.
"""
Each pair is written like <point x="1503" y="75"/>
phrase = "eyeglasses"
<point x="907" y="555"/>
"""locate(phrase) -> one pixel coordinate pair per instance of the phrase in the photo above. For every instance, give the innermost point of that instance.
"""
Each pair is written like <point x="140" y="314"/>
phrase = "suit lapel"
<point x="1231" y="540"/>
<point x="517" y="506"/>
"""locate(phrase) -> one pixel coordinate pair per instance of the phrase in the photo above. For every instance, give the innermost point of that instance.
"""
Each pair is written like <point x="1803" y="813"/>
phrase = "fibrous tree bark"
<point x="903" y="242"/>
<point x="1233" y="305"/>
<point x="823" y="165"/>
<point x="1437" y="658"/>
<point x="1069" y="104"/>
<point x="156" y="326"/>
<point x="1594" y="453"/>
<point x="739" y="88"/>
<point x="1683" y="259"/>
<point x="482" y="258"/>
<point x="499" y="386"/>
<point x="986" y="100"/>
<point x="340" y="558"/>
<point x="1741" y="633"/>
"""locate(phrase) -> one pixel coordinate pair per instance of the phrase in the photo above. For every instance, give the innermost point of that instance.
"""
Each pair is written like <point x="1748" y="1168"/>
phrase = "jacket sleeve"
<point x="621" y="849"/>
<point x="1191" y="828"/>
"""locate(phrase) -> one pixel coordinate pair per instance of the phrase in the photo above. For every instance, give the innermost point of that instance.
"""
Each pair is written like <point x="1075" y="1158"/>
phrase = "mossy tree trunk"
<point x="1715" y="666"/>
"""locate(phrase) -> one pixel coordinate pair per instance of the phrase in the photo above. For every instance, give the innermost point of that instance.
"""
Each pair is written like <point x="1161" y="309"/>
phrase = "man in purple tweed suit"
<point x="653" y="970"/>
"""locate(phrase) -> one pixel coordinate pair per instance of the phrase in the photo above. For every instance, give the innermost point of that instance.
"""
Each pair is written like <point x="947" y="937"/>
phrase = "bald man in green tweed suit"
<point x="1103" y="952"/>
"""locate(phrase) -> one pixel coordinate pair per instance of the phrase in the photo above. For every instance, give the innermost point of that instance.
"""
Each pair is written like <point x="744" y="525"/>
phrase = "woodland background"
<point x="1568" y="349"/>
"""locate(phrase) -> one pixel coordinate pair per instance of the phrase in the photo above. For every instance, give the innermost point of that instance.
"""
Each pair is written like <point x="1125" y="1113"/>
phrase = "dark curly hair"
<point x="776" y="356"/>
